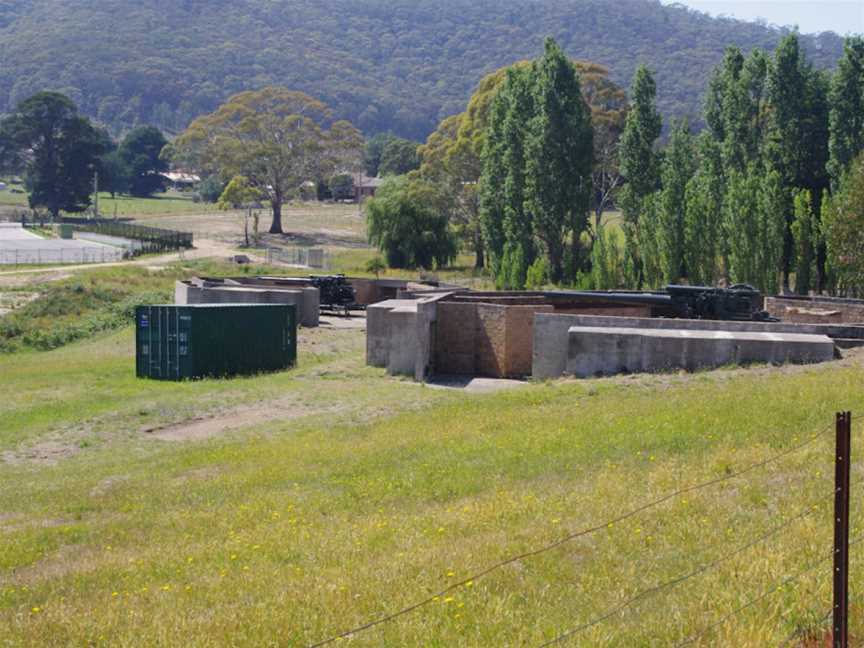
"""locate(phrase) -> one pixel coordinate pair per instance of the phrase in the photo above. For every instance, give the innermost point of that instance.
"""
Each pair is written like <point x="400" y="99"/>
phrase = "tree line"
<point x="65" y="158"/>
<point x="762" y="195"/>
<point x="384" y="65"/>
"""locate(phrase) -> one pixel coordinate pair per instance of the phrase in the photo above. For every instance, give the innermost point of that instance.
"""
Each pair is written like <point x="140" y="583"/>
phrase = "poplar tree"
<point x="806" y="234"/>
<point x="507" y="226"/>
<point x="639" y="164"/>
<point x="799" y="132"/>
<point x="741" y="225"/>
<point x="704" y="215"/>
<point x="847" y="110"/>
<point x="677" y="169"/>
<point x="559" y="153"/>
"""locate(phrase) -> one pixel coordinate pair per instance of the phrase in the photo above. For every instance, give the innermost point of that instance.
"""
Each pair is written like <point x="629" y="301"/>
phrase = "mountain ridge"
<point x="383" y="64"/>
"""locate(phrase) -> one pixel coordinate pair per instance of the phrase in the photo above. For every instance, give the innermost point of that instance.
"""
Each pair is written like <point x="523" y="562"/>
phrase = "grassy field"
<point x="283" y="509"/>
<point x="340" y="495"/>
<point x="167" y="204"/>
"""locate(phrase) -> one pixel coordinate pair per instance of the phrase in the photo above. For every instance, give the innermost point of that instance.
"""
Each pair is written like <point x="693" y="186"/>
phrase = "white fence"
<point x="58" y="255"/>
<point x="297" y="256"/>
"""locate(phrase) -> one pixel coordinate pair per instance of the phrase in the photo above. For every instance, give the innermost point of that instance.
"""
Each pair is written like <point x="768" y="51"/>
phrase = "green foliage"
<point x="408" y="222"/>
<point x="507" y="227"/>
<point x="276" y="138"/>
<point x="398" y="157"/>
<point x="113" y="173"/>
<point x="537" y="274"/>
<point x="537" y="159"/>
<point x="607" y="269"/>
<point x="677" y="170"/>
<point x="558" y="157"/>
<point x="341" y="186"/>
<point x="649" y="243"/>
<point x="58" y="148"/>
<point x="640" y="164"/>
<point x="384" y="66"/>
<point x="373" y="152"/>
<point x="237" y="194"/>
<point x="376" y="265"/>
<point x="844" y="232"/>
<point x="211" y="188"/>
<point x="805" y="230"/>
<point x="847" y="110"/>
<point x="140" y="152"/>
<point x="703" y="220"/>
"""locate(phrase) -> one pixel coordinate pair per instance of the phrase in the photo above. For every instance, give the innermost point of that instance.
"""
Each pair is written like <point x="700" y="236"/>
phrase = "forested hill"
<point x="397" y="65"/>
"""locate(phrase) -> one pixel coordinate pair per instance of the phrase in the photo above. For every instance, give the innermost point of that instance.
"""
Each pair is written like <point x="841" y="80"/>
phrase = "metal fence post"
<point x="842" y="464"/>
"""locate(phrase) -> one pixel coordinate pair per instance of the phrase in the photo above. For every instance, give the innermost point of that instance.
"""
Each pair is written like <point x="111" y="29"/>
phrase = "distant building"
<point x="181" y="179"/>
<point x="365" y="187"/>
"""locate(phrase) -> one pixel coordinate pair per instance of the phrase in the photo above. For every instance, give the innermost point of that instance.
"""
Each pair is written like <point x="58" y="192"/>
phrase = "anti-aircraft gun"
<point x="336" y="294"/>
<point x="740" y="302"/>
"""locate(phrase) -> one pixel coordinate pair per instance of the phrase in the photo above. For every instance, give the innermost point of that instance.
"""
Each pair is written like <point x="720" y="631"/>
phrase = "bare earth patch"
<point x="200" y="429"/>
<point x="46" y="452"/>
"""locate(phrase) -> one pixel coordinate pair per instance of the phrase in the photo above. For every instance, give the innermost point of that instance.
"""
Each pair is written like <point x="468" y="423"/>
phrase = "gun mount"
<point x="336" y="294"/>
<point x="741" y="302"/>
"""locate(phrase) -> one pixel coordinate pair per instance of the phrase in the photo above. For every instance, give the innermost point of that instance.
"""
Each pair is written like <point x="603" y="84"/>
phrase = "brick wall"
<point x="815" y="310"/>
<point x="520" y="338"/>
<point x="489" y="340"/>
<point x="455" y="332"/>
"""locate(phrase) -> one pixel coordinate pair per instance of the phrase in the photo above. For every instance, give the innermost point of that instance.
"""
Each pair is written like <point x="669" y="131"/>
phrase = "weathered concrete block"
<point x="207" y="292"/>
<point x="604" y="351"/>
<point x="551" y="333"/>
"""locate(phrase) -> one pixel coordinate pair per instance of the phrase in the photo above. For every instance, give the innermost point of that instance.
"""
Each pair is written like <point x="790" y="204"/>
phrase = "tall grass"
<point x="295" y="529"/>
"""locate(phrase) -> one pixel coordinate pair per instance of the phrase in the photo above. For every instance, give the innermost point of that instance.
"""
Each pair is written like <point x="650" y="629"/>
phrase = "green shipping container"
<point x="214" y="340"/>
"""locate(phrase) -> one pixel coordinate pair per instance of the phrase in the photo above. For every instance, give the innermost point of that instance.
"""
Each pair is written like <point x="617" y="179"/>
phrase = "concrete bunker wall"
<point x="551" y="334"/>
<point x="201" y="292"/>
<point x="606" y="351"/>
<point x="400" y="335"/>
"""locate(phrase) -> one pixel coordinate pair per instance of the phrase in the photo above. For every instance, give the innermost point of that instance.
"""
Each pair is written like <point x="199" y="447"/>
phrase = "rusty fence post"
<point x="842" y="464"/>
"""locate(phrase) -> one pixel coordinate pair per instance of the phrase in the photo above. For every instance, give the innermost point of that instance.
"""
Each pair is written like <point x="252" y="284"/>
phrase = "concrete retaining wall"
<point x="400" y="335"/>
<point x="202" y="292"/>
<point x="551" y="334"/>
<point x="606" y="351"/>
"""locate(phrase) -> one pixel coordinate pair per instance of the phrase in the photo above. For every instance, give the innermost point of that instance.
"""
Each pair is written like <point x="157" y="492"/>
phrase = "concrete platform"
<point x="551" y="333"/>
<point x="305" y="298"/>
<point x="606" y="351"/>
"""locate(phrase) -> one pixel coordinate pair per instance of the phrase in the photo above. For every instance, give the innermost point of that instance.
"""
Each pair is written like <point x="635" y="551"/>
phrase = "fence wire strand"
<point x="678" y="580"/>
<point x="572" y="536"/>
<point x="803" y="572"/>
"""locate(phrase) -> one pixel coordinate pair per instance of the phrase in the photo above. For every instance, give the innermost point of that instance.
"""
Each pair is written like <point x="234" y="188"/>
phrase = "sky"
<point x="811" y="16"/>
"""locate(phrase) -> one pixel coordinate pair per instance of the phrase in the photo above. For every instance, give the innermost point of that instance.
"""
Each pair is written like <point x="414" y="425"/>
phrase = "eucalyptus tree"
<point x="274" y="137"/>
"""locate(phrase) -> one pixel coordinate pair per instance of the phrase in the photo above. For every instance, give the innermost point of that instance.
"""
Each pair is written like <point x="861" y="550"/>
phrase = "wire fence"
<point x="694" y="571"/>
<point x="298" y="256"/>
<point x="61" y="255"/>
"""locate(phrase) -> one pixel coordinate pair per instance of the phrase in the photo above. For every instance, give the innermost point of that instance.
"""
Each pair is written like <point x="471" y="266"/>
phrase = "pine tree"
<point x="639" y="164"/>
<point x="559" y="153"/>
